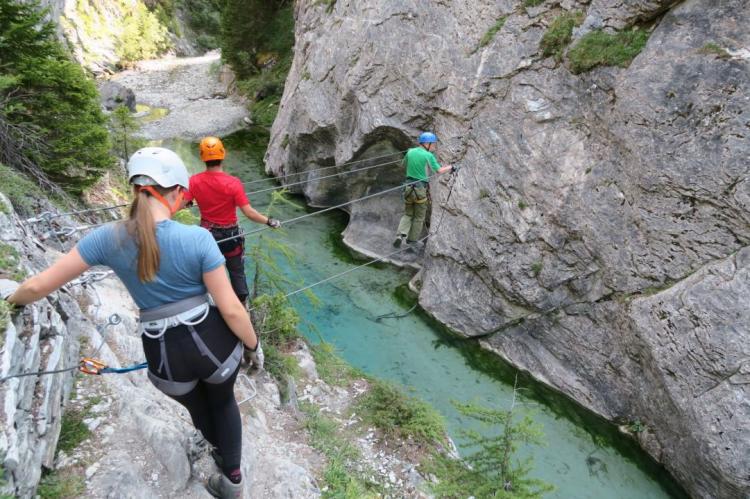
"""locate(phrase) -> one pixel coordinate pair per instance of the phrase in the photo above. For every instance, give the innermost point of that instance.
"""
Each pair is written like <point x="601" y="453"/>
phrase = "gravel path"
<point x="194" y="91"/>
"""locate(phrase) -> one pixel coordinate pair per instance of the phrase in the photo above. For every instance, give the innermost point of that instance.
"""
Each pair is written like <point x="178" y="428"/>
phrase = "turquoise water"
<point x="583" y="458"/>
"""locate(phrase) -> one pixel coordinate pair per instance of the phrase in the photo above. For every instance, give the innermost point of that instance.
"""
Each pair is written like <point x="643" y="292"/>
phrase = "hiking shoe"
<point x="399" y="240"/>
<point x="223" y="488"/>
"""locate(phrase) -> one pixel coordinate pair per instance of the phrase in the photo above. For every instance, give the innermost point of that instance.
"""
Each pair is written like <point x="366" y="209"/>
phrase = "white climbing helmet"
<point x="157" y="166"/>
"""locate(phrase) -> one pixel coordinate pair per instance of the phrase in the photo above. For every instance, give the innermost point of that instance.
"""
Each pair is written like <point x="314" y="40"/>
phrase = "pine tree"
<point x="123" y="128"/>
<point x="492" y="471"/>
<point x="43" y="89"/>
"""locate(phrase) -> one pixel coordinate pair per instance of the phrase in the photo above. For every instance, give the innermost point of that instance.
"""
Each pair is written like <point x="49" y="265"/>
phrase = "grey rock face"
<point x="113" y="94"/>
<point x="35" y="340"/>
<point x="588" y="206"/>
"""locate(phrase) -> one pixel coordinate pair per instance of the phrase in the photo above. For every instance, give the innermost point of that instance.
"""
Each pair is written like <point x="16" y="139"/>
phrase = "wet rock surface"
<point x="588" y="209"/>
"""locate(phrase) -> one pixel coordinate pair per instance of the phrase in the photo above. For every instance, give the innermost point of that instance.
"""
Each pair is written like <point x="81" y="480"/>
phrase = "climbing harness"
<point x="410" y="193"/>
<point x="155" y="322"/>
<point x="93" y="366"/>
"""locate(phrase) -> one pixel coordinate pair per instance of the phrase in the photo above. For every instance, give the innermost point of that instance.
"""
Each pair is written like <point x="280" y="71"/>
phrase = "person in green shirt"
<point x="416" y="191"/>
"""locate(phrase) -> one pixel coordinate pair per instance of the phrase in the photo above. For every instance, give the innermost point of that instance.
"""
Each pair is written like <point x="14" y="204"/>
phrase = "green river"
<point x="584" y="457"/>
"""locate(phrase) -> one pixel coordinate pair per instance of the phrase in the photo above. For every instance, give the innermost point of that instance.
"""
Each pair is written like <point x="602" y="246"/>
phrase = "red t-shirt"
<point x="218" y="195"/>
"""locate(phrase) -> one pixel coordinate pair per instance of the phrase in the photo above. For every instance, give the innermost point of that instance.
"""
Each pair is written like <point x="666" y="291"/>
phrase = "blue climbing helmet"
<point x="427" y="138"/>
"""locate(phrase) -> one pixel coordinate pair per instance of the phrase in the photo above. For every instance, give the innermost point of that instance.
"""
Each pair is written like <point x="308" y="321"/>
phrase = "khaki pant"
<point x="416" y="203"/>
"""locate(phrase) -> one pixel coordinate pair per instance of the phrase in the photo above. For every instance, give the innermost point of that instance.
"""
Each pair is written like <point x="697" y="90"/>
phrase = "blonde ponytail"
<point x="141" y="227"/>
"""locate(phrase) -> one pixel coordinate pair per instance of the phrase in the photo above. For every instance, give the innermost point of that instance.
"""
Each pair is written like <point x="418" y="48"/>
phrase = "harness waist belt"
<point x="163" y="317"/>
<point x="416" y="182"/>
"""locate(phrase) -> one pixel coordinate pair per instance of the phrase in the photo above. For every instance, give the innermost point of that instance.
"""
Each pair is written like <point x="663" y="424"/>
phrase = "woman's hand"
<point x="229" y="305"/>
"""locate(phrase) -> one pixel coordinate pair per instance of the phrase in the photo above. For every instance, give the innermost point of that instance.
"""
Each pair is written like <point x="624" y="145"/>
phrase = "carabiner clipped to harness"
<point x="91" y="366"/>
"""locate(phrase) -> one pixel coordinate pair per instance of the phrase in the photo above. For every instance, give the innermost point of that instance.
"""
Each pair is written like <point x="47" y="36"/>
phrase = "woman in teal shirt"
<point x="193" y="343"/>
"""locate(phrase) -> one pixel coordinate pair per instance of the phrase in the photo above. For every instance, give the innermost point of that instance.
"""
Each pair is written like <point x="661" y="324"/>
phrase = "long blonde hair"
<point x="141" y="227"/>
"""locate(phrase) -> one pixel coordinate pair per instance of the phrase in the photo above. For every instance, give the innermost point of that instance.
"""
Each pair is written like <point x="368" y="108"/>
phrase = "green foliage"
<point x="257" y="41"/>
<point x="280" y="366"/>
<point x="532" y="3"/>
<point x="490" y="34"/>
<point x="268" y="277"/>
<point x="536" y="268"/>
<point x="6" y="309"/>
<point x="204" y="17"/>
<point x="559" y="34"/>
<point x="343" y="478"/>
<point x="715" y="50"/>
<point x="636" y="427"/>
<point x="389" y="409"/>
<point x="123" y="128"/>
<point x="143" y="36"/>
<point x="73" y="431"/>
<point x="42" y="88"/>
<point x="186" y="217"/>
<point x="331" y="368"/>
<point x="10" y="263"/>
<point x="604" y="49"/>
<point x="20" y="190"/>
<point x="522" y="204"/>
<point x="60" y="485"/>
<point x="278" y="319"/>
<point x="3" y="483"/>
<point x="253" y="27"/>
<point x="166" y="13"/>
<point x="492" y="470"/>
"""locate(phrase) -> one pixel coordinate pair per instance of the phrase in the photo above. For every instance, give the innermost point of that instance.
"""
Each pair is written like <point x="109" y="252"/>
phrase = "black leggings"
<point x="212" y="408"/>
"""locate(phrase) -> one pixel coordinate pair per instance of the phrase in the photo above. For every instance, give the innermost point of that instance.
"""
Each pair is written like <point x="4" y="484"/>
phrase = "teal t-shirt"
<point x="186" y="253"/>
<point x="416" y="159"/>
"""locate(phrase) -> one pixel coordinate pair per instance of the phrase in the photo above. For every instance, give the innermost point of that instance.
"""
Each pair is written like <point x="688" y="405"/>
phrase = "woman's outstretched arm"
<point x="67" y="268"/>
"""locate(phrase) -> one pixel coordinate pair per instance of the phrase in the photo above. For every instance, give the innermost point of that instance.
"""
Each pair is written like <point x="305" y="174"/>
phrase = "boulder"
<point x="113" y="94"/>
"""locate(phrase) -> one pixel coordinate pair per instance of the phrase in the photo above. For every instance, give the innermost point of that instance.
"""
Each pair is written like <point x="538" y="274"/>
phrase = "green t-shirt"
<point x="416" y="159"/>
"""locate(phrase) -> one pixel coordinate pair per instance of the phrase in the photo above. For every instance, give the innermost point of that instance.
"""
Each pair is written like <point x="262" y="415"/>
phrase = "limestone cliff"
<point x="597" y="234"/>
<point x="100" y="32"/>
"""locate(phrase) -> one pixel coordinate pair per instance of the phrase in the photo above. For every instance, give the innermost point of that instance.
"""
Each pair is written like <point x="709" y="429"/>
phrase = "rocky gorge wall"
<point x="96" y="30"/>
<point x="597" y="234"/>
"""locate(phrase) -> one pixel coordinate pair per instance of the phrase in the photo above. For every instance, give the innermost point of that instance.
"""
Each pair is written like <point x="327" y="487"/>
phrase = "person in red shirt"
<point x="218" y="195"/>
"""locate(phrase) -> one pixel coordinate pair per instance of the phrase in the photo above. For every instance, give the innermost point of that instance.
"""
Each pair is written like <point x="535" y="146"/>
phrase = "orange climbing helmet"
<point x="212" y="149"/>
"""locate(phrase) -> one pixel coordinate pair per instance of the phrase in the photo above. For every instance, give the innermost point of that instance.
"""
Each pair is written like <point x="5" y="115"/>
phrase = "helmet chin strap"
<point x="173" y="208"/>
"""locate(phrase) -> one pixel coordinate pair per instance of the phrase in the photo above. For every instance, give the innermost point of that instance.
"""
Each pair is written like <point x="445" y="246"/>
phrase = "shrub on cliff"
<point x="43" y="89"/>
<point x="204" y="17"/>
<point x="257" y="41"/>
<point x="559" y="34"/>
<point x="143" y="36"/>
<point x="606" y="49"/>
